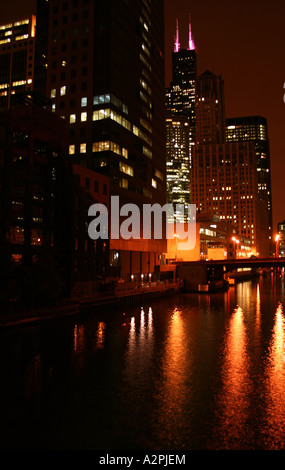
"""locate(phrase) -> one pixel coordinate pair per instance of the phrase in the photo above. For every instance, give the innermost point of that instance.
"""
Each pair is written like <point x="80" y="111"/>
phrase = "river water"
<point x="185" y="372"/>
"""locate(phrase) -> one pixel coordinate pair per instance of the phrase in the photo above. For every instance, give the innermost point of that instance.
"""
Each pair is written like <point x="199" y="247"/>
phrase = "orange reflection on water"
<point x="233" y="402"/>
<point x="257" y="322"/>
<point x="100" y="335"/>
<point x="140" y="347"/>
<point x="275" y="384"/>
<point x="78" y="337"/>
<point x="257" y="337"/>
<point x="173" y="391"/>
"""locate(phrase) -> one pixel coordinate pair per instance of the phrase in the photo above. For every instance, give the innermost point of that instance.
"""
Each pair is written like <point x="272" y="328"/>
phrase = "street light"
<point x="277" y="238"/>
<point x="236" y="241"/>
<point x="176" y="245"/>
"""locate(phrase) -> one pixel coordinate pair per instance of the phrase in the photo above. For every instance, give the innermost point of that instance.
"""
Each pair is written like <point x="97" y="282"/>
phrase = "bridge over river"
<point x="210" y="275"/>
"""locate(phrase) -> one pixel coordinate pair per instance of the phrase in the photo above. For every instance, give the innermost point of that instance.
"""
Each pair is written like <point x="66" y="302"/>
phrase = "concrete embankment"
<point x="130" y="297"/>
<point x="122" y="297"/>
<point x="23" y="318"/>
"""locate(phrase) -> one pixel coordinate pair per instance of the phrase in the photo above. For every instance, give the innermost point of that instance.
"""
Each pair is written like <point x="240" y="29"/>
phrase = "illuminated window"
<point x="84" y="101"/>
<point x="158" y="174"/>
<point x="17" y="235"/>
<point x="126" y="169"/>
<point x="82" y="148"/>
<point x="62" y="90"/>
<point x="154" y="183"/>
<point x="72" y="118"/>
<point x="124" y="183"/>
<point x="71" y="149"/>
<point x="147" y="152"/>
<point x="16" y="258"/>
<point x="22" y="22"/>
<point x="53" y="93"/>
<point x="84" y="116"/>
<point x="125" y="153"/>
<point x="20" y="83"/>
<point x="23" y="36"/>
<point x="101" y="146"/>
<point x="101" y="114"/>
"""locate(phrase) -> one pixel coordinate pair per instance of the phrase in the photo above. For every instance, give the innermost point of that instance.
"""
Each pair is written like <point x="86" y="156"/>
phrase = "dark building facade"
<point x="102" y="65"/>
<point x="90" y="258"/>
<point x="44" y="210"/>
<point x="210" y="109"/>
<point x="34" y="211"/>
<point x="17" y="52"/>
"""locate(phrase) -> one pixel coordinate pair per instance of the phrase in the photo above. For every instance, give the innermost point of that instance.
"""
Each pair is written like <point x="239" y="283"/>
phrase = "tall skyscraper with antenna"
<point x="180" y="121"/>
<point x="180" y="96"/>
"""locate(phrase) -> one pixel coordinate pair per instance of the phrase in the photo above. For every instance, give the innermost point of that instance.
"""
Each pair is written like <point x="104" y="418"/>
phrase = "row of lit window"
<point x="22" y="82"/>
<point x="109" y="98"/>
<point x="97" y="100"/>
<point x="109" y="145"/>
<point x="18" y="23"/>
<point x="127" y="169"/>
<point x="107" y="113"/>
<point x="101" y="147"/>
<point x="15" y="84"/>
<point x="17" y="38"/>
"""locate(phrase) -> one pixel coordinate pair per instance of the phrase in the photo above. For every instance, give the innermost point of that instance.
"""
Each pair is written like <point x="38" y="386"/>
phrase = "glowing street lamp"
<point x="277" y="238"/>
<point x="236" y="242"/>
<point x="176" y="244"/>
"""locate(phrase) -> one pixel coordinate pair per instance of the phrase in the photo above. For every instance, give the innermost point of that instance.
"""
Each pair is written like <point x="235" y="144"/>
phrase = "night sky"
<point x="242" y="40"/>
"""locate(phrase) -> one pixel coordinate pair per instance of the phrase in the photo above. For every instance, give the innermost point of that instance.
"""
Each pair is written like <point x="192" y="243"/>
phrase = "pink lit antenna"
<point x="191" y="44"/>
<point x="176" y="38"/>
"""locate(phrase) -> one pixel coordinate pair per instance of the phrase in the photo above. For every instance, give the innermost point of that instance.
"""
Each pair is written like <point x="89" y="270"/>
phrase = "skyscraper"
<point x="254" y="129"/>
<point x="180" y="122"/>
<point x="224" y="176"/>
<point x="103" y="66"/>
<point x="210" y="109"/>
<point x="180" y="95"/>
<point x="17" y="51"/>
<point x="177" y="164"/>
<point x="224" y="182"/>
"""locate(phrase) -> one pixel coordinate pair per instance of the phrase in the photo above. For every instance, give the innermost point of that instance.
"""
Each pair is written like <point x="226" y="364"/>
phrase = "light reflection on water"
<point x="189" y="372"/>
<point x="233" y="400"/>
<point x="275" y="385"/>
<point x="172" y="391"/>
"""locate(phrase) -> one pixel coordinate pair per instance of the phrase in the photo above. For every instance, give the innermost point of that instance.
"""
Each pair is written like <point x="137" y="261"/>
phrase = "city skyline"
<point x="252" y="30"/>
<point x="141" y="282"/>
